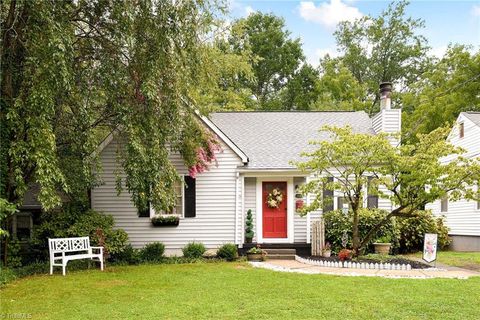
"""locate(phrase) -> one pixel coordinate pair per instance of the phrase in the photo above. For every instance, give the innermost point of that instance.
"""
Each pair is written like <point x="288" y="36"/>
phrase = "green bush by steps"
<point x="406" y="234"/>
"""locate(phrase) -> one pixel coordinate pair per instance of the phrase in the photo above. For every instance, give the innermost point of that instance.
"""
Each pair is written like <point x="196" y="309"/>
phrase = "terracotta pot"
<point x="382" y="248"/>
<point x="327" y="253"/>
<point x="254" y="257"/>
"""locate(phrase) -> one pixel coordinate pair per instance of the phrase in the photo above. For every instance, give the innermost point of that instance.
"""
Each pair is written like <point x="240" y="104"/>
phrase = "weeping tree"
<point x="410" y="176"/>
<point x="74" y="71"/>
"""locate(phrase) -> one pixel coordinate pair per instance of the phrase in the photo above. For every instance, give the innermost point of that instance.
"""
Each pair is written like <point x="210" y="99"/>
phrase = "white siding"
<point x="214" y="223"/>
<point x="251" y="201"/>
<point x="462" y="216"/>
<point x="299" y="222"/>
<point x="388" y="121"/>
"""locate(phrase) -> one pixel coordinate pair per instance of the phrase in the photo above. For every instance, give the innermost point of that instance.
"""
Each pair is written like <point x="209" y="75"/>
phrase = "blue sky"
<point x="314" y="21"/>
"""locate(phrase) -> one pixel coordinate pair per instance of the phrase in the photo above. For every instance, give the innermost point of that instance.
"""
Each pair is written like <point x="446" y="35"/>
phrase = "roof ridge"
<point x="288" y="111"/>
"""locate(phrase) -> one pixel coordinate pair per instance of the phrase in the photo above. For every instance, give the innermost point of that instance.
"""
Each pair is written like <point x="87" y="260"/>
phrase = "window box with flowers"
<point x="165" y="220"/>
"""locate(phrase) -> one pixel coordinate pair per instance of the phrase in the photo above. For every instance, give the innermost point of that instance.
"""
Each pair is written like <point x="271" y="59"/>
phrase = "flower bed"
<point x="393" y="263"/>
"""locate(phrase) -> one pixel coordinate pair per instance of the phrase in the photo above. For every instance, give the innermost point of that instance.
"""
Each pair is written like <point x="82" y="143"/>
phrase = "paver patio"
<point x="298" y="267"/>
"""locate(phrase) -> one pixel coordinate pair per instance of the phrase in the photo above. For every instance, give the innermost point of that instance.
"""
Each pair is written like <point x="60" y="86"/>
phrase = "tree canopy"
<point x="73" y="71"/>
<point x="410" y="176"/>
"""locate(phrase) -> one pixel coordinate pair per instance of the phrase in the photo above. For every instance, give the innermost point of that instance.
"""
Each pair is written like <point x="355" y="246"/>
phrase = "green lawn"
<point x="468" y="260"/>
<point x="235" y="291"/>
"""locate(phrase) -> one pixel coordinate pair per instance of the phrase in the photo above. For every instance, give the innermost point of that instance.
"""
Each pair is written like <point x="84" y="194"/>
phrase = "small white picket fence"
<point x="354" y="265"/>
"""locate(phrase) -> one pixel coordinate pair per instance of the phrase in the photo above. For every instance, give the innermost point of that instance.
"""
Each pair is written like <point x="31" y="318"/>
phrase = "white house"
<point x="257" y="150"/>
<point x="463" y="217"/>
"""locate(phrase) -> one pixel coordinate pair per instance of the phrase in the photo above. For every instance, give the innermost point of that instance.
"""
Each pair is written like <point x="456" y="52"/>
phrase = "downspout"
<point x="237" y="175"/>
<point x="242" y="212"/>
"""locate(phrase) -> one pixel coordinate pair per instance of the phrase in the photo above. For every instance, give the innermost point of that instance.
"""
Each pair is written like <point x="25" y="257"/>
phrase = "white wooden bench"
<point x="63" y="250"/>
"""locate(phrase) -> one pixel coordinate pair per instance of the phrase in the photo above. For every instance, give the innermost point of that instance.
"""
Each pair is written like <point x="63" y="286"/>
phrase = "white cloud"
<point x="249" y="10"/>
<point x="476" y="10"/>
<point x="439" y="51"/>
<point x="329" y="14"/>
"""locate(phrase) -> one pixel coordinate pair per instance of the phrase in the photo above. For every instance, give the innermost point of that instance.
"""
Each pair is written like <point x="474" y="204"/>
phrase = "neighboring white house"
<point x="463" y="217"/>
<point x="257" y="150"/>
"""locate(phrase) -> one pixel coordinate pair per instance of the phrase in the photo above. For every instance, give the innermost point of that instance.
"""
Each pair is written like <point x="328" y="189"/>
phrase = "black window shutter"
<point x="190" y="201"/>
<point x="372" y="199"/>
<point x="328" y="197"/>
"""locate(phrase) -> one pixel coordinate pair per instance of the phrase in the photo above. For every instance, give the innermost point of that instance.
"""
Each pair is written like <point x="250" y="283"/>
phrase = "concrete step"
<point x="281" y="251"/>
<point x="280" y="257"/>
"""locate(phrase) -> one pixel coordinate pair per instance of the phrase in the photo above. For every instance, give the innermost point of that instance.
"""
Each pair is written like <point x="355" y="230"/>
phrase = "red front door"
<point x="274" y="212"/>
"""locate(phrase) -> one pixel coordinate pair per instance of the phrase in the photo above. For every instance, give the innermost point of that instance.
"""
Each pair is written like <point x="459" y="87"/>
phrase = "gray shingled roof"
<point x="473" y="116"/>
<point x="273" y="139"/>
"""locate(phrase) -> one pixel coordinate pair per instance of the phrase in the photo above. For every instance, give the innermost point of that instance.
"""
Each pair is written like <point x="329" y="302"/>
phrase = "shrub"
<point x="337" y="223"/>
<point x="128" y="256"/>
<point x="76" y="221"/>
<point x="152" y="252"/>
<point x="345" y="254"/>
<point x="14" y="260"/>
<point x="194" y="250"/>
<point x="412" y="231"/>
<point x="249" y="233"/>
<point x="228" y="252"/>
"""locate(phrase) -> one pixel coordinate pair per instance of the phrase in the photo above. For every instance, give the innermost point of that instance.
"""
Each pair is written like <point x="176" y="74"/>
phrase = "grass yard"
<point x="467" y="260"/>
<point x="235" y="291"/>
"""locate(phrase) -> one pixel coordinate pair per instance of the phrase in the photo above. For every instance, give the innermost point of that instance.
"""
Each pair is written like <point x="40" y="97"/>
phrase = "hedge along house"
<point x="463" y="216"/>
<point x="254" y="168"/>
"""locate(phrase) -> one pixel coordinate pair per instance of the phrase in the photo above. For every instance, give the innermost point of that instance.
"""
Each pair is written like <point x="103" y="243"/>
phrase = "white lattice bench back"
<point x="63" y="250"/>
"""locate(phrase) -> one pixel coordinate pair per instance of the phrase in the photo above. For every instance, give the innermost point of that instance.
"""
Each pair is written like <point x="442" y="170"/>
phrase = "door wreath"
<point x="275" y="198"/>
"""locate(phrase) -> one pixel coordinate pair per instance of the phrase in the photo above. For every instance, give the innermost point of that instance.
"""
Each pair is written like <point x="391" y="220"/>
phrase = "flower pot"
<point x="382" y="248"/>
<point x="248" y="240"/>
<point x="326" y="253"/>
<point x="254" y="257"/>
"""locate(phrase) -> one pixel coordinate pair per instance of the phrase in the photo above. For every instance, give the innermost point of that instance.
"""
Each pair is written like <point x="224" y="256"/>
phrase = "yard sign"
<point x="430" y="247"/>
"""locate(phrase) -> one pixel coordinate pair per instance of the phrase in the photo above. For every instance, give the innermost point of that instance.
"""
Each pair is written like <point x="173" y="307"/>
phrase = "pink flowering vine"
<point x="204" y="158"/>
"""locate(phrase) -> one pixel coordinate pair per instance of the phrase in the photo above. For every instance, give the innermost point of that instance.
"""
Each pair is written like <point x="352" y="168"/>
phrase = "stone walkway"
<point x="298" y="267"/>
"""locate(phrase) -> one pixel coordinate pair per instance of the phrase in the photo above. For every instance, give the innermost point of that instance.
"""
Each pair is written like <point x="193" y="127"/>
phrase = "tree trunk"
<point x="355" y="233"/>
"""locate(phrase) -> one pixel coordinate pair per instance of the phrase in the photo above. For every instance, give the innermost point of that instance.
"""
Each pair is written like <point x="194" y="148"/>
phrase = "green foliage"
<point x="405" y="234"/>
<point x="129" y="255"/>
<point x="6" y="210"/>
<point x="249" y="233"/>
<point x="73" y="71"/>
<point x="228" y="252"/>
<point x="442" y="92"/>
<point x="412" y="231"/>
<point x="384" y="48"/>
<point x="275" y="57"/>
<point x="337" y="223"/>
<point x="153" y="252"/>
<point x="399" y="174"/>
<point x="74" y="221"/>
<point x="193" y="250"/>
<point x="302" y="90"/>
<point x="14" y="260"/>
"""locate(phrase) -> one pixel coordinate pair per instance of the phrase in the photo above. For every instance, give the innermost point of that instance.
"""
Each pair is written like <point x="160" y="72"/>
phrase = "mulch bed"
<point x="414" y="264"/>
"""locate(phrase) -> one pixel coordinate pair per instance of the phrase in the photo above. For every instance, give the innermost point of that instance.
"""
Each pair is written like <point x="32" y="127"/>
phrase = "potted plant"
<point x="249" y="227"/>
<point x="256" y="254"/>
<point x="164" y="220"/>
<point x="383" y="244"/>
<point x="327" y="250"/>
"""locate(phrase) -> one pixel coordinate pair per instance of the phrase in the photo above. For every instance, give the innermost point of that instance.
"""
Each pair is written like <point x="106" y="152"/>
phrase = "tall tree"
<point x="73" y="71"/>
<point x="275" y="59"/>
<point x="410" y="177"/>
<point x="385" y="48"/>
<point x="302" y="90"/>
<point x="451" y="86"/>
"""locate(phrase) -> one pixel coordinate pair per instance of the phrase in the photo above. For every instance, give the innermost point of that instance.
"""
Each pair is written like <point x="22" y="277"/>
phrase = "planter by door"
<point x="274" y="219"/>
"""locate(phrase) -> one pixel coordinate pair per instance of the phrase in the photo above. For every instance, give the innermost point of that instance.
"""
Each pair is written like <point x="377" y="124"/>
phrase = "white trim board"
<point x="290" y="210"/>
